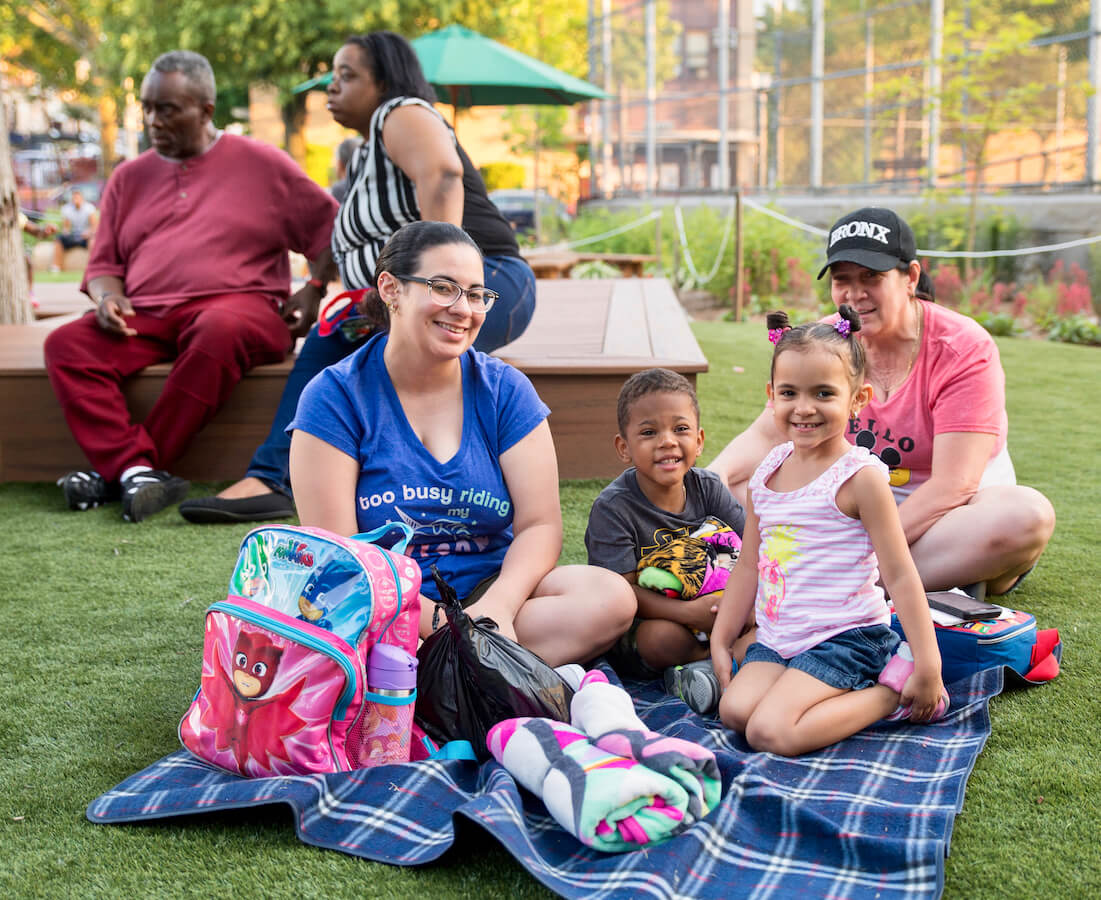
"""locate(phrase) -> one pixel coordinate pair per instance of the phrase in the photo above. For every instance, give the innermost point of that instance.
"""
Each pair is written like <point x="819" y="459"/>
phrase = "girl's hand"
<point x="699" y="612"/>
<point x="923" y="689"/>
<point x="722" y="661"/>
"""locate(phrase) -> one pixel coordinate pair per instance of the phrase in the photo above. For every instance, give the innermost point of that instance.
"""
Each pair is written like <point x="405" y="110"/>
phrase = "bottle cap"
<point x="391" y="667"/>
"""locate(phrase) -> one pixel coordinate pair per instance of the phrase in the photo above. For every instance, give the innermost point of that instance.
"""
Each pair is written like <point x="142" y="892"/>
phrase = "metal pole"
<point x="774" y="114"/>
<point x="722" y="41"/>
<point x="1093" y="109"/>
<point x="606" y="105"/>
<point x="739" y="269"/>
<point x="869" y="86"/>
<point x="817" y="66"/>
<point x="594" y="182"/>
<point x="651" y="95"/>
<point x="936" y="51"/>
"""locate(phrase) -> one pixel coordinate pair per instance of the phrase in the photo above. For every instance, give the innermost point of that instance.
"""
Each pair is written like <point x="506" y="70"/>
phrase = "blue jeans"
<point x="849" y="661"/>
<point x="509" y="276"/>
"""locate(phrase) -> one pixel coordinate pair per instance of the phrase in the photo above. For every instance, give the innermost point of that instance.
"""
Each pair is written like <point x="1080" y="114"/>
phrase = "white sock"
<point x="134" y="470"/>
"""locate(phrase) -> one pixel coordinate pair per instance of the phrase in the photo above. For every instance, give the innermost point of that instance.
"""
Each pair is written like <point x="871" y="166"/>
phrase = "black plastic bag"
<point x="470" y="677"/>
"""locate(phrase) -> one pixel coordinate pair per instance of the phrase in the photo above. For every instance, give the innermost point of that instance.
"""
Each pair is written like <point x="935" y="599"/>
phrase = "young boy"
<point x="660" y="498"/>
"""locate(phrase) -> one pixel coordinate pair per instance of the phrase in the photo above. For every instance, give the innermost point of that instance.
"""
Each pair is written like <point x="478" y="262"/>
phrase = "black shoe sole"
<point x="152" y="498"/>
<point x="221" y="511"/>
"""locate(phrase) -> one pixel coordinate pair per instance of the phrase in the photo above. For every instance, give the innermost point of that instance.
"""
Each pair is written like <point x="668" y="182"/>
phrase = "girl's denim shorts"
<point x="848" y="661"/>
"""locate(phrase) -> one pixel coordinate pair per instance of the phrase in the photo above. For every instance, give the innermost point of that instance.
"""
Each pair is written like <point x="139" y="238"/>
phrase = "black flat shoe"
<point x="218" y="510"/>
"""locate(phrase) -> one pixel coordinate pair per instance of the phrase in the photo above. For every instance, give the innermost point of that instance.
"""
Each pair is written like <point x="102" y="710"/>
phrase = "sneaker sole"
<point x="692" y="699"/>
<point x="153" y="498"/>
<point x="198" y="514"/>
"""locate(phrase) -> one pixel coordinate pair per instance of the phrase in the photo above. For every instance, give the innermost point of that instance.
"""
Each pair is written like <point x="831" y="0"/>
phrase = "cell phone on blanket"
<point x="963" y="606"/>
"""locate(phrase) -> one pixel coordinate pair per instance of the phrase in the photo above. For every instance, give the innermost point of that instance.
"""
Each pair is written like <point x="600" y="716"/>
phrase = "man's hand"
<point x="111" y="308"/>
<point x="300" y="310"/>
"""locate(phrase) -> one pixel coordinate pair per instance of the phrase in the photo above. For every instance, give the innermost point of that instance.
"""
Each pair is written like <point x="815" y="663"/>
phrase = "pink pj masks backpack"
<point x="285" y="656"/>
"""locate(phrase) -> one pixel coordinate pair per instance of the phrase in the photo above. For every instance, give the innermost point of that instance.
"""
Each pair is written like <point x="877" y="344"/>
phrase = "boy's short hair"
<point x="651" y="381"/>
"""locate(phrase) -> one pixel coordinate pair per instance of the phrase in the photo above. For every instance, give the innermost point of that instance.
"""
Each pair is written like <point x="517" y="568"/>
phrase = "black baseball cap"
<point x="876" y="238"/>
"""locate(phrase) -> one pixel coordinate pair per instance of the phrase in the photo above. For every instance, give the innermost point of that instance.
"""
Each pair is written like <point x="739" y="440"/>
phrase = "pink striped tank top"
<point x="816" y="569"/>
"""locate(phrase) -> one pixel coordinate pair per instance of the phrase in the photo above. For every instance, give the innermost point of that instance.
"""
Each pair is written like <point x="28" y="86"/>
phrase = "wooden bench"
<point x="559" y="263"/>
<point x="585" y="339"/>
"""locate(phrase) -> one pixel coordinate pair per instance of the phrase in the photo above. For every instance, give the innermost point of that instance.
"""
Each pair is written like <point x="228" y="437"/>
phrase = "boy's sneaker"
<point x="148" y="492"/>
<point x="694" y="683"/>
<point x="86" y="490"/>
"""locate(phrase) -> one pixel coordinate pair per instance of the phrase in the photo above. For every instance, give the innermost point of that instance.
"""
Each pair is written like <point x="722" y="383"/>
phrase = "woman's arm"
<point x="530" y="468"/>
<point x="737" y="601"/>
<point x="324" y="483"/>
<point x="868" y="496"/>
<point x="959" y="460"/>
<point x="424" y="149"/>
<point x="738" y="460"/>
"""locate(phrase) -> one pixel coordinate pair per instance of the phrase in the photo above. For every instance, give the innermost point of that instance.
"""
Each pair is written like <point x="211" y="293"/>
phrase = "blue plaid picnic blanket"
<point x="869" y="817"/>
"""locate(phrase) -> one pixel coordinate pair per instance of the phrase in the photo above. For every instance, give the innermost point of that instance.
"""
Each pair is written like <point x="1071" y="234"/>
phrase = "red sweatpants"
<point x="214" y="340"/>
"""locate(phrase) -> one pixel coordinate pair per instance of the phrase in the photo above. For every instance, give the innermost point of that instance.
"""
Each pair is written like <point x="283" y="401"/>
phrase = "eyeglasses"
<point x="444" y="292"/>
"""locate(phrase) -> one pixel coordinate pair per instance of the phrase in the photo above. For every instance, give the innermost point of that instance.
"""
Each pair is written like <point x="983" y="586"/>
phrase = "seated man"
<point x="78" y="224"/>
<point x="190" y="264"/>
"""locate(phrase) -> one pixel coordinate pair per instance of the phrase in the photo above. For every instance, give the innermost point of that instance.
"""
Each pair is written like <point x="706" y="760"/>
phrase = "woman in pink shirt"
<point x="937" y="418"/>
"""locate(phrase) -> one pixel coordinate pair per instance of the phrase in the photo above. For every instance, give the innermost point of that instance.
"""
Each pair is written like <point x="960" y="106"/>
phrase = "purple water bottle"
<point x="391" y="671"/>
<point x="387" y="725"/>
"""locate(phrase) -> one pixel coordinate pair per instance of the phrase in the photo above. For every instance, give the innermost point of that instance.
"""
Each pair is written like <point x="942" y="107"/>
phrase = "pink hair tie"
<point x="774" y="334"/>
<point x="843" y="327"/>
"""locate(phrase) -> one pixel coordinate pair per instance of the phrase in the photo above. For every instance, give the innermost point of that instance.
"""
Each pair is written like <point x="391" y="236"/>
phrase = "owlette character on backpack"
<point x="692" y="566"/>
<point x="284" y="686"/>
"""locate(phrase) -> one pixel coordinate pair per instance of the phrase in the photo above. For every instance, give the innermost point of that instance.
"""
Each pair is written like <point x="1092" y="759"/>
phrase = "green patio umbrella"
<point x="468" y="69"/>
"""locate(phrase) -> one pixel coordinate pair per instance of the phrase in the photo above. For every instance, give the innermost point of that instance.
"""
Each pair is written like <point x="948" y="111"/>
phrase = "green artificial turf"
<point x="102" y="645"/>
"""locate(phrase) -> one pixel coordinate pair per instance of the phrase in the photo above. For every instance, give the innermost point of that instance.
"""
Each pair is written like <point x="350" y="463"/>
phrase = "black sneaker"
<point x="87" y="490"/>
<point x="148" y="492"/>
<point x="695" y="684"/>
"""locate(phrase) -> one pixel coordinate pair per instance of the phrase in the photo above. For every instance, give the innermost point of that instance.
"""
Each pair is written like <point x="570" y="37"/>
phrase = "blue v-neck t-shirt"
<point x="460" y="510"/>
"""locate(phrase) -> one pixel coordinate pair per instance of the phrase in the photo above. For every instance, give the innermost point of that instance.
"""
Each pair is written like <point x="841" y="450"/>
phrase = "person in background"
<point x="190" y="265"/>
<point x="78" y="225"/>
<point x="937" y="417"/>
<point x="409" y="167"/>
<point x="418" y="427"/>
<point x="345" y="150"/>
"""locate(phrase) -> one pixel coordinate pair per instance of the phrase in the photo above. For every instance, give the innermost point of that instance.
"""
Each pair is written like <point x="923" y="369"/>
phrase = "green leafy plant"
<point x="1077" y="329"/>
<point x="595" y="269"/>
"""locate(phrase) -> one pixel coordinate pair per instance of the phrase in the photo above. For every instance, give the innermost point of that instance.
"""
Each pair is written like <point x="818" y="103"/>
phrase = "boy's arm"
<point x="737" y="600"/>
<point x="875" y="504"/>
<point x="695" y="614"/>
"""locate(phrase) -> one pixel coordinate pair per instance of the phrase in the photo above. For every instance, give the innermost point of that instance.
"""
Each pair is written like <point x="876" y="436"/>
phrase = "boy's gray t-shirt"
<point x="624" y="524"/>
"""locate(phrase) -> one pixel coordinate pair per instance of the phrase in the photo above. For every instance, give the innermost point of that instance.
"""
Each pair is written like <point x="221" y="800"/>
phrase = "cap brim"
<point x="869" y="259"/>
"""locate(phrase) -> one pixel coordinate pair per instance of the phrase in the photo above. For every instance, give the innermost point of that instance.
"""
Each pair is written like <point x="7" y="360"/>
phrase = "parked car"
<point x="518" y="206"/>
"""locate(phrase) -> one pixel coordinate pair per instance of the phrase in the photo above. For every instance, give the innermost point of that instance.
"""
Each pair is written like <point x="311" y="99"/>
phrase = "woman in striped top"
<point x="822" y="524"/>
<point x="409" y="168"/>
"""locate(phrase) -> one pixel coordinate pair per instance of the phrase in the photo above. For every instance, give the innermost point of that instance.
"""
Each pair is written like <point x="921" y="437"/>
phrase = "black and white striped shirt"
<point x="381" y="198"/>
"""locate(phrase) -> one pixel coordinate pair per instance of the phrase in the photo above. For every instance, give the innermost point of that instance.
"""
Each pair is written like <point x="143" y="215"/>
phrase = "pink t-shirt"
<point x="957" y="384"/>
<point x="218" y="223"/>
<point x="816" y="569"/>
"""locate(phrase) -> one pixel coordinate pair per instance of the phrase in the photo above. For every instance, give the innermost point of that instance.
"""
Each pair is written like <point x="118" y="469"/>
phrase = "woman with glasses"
<point x="419" y="427"/>
<point x="410" y="167"/>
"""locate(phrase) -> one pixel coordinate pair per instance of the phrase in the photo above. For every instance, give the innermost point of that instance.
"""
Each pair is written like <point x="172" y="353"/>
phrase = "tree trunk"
<point x="294" y="126"/>
<point x="15" y="301"/>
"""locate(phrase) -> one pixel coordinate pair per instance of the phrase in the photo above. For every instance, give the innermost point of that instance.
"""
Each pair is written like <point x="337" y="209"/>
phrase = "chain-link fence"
<point x="883" y="97"/>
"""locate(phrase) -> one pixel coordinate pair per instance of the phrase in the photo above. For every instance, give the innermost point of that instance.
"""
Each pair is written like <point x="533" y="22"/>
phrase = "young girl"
<point x="822" y="525"/>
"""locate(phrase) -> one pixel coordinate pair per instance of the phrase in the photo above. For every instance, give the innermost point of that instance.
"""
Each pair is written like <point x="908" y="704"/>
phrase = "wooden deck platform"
<point x="585" y="339"/>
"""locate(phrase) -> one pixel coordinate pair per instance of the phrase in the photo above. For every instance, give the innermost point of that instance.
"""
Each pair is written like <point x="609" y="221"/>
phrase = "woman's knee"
<point x="1027" y="524"/>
